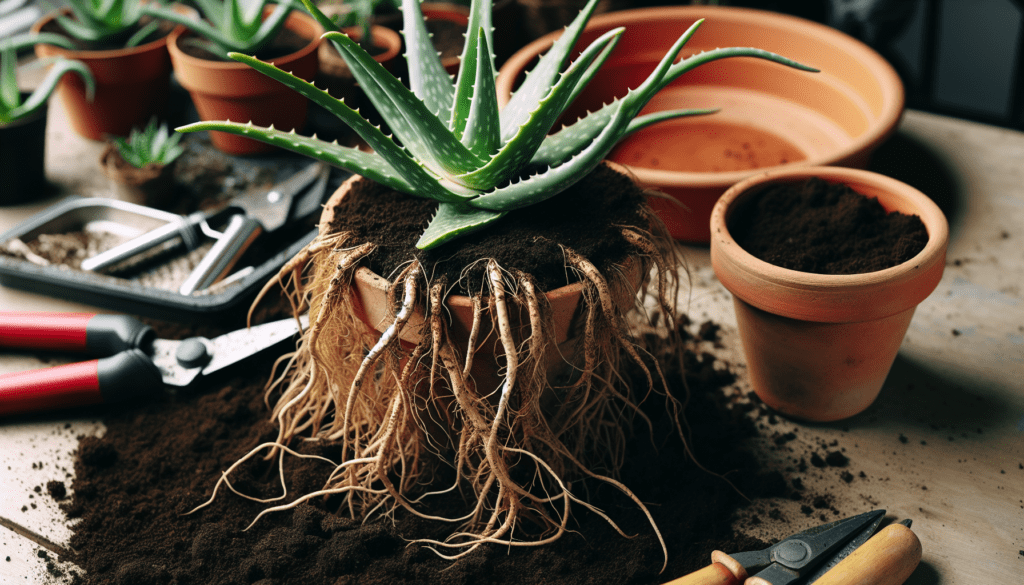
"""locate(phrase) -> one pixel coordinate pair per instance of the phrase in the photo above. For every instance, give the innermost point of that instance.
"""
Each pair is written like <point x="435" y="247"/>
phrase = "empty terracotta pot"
<point x="771" y="115"/>
<point x="229" y="90"/>
<point x="819" y="346"/>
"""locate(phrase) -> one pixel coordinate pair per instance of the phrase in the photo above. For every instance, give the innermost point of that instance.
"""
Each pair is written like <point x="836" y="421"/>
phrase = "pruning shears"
<point x="851" y="551"/>
<point x="136" y="362"/>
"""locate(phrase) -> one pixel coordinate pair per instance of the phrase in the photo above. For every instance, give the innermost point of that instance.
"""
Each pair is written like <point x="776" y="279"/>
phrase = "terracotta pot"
<point x="819" y="346"/>
<point x="131" y="86"/>
<point x="334" y="74"/>
<point x="22" y="158"/>
<point x="770" y="115"/>
<point x="373" y="309"/>
<point x="152" y="185"/>
<point x="228" y="90"/>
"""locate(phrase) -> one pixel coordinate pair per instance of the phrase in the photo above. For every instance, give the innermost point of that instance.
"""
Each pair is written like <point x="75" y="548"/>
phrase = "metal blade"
<point x="238" y="345"/>
<point x="861" y="537"/>
<point x="181" y="362"/>
<point x="271" y="208"/>
<point x="796" y="556"/>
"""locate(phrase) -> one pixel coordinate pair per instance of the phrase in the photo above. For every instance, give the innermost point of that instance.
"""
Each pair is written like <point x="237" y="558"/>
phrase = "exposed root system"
<point x="524" y="407"/>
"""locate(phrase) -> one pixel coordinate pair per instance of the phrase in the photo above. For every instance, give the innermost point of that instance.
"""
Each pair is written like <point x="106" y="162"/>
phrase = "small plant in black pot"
<point x="23" y="120"/>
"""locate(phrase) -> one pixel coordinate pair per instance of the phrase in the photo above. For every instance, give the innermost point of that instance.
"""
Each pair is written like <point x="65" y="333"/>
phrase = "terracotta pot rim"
<point x="390" y="39"/>
<point x="880" y="127"/>
<point x="777" y="287"/>
<point x="293" y="18"/>
<point x="86" y="54"/>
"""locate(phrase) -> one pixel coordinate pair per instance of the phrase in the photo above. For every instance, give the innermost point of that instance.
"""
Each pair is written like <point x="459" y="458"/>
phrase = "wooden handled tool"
<point x="888" y="558"/>
<point x="723" y="570"/>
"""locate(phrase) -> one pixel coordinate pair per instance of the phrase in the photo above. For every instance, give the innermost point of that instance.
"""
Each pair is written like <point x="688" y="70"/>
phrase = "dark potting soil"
<point x="825" y="228"/>
<point x="115" y="42"/>
<point x="285" y="43"/>
<point x="133" y="486"/>
<point x="586" y="218"/>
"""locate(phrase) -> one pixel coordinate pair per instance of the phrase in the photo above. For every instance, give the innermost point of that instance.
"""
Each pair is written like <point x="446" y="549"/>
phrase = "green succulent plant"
<point x="107" y="21"/>
<point x="231" y="25"/>
<point x="12" y="107"/>
<point x="450" y="141"/>
<point x="360" y="15"/>
<point x="152" y="144"/>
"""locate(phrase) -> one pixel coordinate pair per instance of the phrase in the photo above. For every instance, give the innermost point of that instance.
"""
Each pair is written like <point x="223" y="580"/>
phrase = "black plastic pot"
<point x="22" y="151"/>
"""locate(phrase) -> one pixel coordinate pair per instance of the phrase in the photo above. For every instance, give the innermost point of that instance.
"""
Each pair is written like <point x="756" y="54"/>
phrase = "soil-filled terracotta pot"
<point x="373" y="309"/>
<point x="152" y="185"/>
<point x="819" y="346"/>
<point x="770" y="114"/>
<point x="131" y="86"/>
<point x="22" y="159"/>
<point x="228" y="90"/>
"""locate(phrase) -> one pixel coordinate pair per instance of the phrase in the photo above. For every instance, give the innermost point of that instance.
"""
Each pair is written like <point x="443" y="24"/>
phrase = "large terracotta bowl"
<point x="770" y="115"/>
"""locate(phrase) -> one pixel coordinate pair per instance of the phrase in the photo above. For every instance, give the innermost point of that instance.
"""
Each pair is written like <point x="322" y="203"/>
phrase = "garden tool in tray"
<point x="249" y="216"/>
<point x="852" y="551"/>
<point x="137" y="362"/>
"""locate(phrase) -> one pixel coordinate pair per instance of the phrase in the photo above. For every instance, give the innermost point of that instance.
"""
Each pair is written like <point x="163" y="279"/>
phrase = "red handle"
<point x="51" y="388"/>
<point x="89" y="332"/>
<point x="124" y="376"/>
<point x="56" y="331"/>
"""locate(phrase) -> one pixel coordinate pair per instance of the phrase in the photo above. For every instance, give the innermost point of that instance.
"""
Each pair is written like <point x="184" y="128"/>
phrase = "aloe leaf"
<point x="571" y="139"/>
<point x="79" y="30"/>
<point x="269" y="27"/>
<point x="367" y="164"/>
<point x="482" y="133"/>
<point x="480" y="18"/>
<point x="555" y="180"/>
<point x="10" y="97"/>
<point x="395" y="156"/>
<point x="427" y="77"/>
<point x="324" y="20"/>
<point x="49" y="83"/>
<point x="27" y="40"/>
<point x="141" y="34"/>
<point x="520" y="148"/>
<point x="465" y="83"/>
<point x="453" y="221"/>
<point x="525" y="99"/>
<point x="421" y="132"/>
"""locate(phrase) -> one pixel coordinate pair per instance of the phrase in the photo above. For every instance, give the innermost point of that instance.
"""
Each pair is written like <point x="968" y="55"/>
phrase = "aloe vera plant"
<point x="231" y="25"/>
<point x="152" y="144"/>
<point x="12" y="107"/>
<point x="450" y="141"/>
<point x="108" y="22"/>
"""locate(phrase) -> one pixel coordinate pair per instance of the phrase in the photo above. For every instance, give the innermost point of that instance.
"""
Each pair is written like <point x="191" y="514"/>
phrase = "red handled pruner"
<point x="845" y="552"/>
<point x="136" y="360"/>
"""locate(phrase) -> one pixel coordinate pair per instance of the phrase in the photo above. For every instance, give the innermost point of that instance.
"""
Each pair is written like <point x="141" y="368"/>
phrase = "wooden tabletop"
<point x="943" y="444"/>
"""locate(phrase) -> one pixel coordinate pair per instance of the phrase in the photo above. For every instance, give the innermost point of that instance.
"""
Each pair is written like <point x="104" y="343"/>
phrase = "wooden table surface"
<point x="943" y="444"/>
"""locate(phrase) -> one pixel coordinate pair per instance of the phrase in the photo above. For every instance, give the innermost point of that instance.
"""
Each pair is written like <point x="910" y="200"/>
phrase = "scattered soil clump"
<point x="160" y="460"/>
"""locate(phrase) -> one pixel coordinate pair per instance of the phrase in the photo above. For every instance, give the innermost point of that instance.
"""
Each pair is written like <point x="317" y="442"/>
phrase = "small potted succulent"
<point x="457" y="346"/>
<point x="222" y="89"/>
<point x="825" y="281"/>
<point x="141" y="166"/>
<point x="23" y="119"/>
<point x="126" y="51"/>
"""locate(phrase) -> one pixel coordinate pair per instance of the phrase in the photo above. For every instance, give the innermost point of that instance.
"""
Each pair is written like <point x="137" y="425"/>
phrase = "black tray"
<point x="125" y="294"/>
